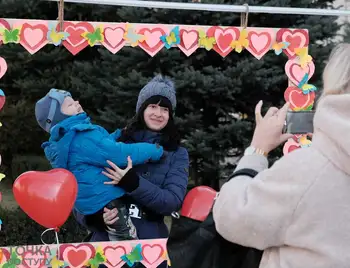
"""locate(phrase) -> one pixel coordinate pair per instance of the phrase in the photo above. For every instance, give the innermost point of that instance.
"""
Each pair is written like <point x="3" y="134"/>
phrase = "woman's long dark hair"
<point x="170" y="139"/>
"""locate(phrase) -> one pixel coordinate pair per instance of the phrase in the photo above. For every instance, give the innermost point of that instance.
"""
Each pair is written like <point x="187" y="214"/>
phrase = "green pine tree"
<point x="211" y="90"/>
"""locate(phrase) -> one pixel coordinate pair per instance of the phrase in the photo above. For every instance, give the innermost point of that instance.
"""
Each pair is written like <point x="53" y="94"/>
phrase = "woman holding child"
<point x="154" y="189"/>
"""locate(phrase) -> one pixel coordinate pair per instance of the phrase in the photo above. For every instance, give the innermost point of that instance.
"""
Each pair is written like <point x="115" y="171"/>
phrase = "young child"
<point x="83" y="148"/>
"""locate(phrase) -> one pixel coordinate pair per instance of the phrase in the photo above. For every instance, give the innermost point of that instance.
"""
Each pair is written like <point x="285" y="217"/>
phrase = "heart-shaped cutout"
<point x="224" y="38"/>
<point x="75" y="41"/>
<point x="3" y="67"/>
<point x="152" y="253"/>
<point x="114" y="37"/>
<point x="296" y="73"/>
<point x="152" y="44"/>
<point x="113" y="256"/>
<point x="77" y="255"/>
<point x="297" y="38"/>
<point x="188" y="41"/>
<point x="260" y="42"/>
<point x="297" y="99"/>
<point x="34" y="36"/>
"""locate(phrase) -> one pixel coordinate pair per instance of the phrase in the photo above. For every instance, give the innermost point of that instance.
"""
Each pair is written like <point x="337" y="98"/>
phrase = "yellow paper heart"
<point x="2" y="176"/>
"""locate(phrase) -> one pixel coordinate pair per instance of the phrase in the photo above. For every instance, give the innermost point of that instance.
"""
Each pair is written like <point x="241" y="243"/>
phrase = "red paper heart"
<point x="188" y="41"/>
<point x="152" y="253"/>
<point x="54" y="192"/>
<point x="33" y="37"/>
<point x="4" y="24"/>
<point x="296" y="38"/>
<point x="224" y="38"/>
<point x="113" y="255"/>
<point x="75" y="42"/>
<point x="259" y="42"/>
<point x="297" y="99"/>
<point x="152" y="44"/>
<point x="77" y="255"/>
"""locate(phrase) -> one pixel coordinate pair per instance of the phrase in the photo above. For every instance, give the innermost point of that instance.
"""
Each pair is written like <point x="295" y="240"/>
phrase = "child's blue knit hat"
<point x="48" y="109"/>
<point x="161" y="86"/>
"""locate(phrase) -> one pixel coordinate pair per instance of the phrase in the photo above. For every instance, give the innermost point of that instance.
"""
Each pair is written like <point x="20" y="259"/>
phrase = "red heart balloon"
<point x="47" y="197"/>
<point x="198" y="203"/>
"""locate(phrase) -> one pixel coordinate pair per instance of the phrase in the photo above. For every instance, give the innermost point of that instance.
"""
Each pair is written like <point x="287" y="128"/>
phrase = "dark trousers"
<point x="122" y="229"/>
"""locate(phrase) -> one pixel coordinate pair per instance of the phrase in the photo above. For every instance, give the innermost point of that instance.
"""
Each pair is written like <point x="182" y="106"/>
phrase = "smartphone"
<point x="301" y="122"/>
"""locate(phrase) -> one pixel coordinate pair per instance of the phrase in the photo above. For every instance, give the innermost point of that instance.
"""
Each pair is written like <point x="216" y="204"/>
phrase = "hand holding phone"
<point x="301" y="122"/>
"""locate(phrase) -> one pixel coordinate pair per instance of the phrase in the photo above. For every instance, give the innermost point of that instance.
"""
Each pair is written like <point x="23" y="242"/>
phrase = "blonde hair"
<point x="336" y="75"/>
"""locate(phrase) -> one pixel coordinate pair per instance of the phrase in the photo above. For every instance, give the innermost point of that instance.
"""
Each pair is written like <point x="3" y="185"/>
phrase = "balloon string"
<point x="56" y="236"/>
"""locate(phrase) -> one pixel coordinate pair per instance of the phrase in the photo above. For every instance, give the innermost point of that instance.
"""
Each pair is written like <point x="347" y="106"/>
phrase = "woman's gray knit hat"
<point x="161" y="86"/>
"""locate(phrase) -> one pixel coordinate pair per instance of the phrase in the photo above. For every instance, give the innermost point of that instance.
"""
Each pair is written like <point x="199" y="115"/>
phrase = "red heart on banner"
<point x="75" y="42"/>
<point x="152" y="44"/>
<point x="53" y="191"/>
<point x="296" y="38"/>
<point x="4" y="24"/>
<point x="78" y="255"/>
<point x="34" y="36"/>
<point x="224" y="38"/>
<point x="297" y="99"/>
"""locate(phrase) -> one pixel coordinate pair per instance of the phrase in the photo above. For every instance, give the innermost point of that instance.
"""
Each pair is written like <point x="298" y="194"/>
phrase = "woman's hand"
<point x="116" y="174"/>
<point x="268" y="131"/>
<point x="110" y="216"/>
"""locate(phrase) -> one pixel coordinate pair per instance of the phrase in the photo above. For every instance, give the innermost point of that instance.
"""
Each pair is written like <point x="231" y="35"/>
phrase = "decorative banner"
<point x="75" y="36"/>
<point x="151" y="253"/>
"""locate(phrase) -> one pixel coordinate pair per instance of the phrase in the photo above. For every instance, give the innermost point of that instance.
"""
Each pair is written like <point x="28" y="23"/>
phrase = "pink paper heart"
<point x="189" y="41"/>
<point x="296" y="73"/>
<point x="152" y="255"/>
<point x="33" y="36"/>
<point x="152" y="44"/>
<point x="113" y="255"/>
<point x="260" y="41"/>
<point x="114" y="37"/>
<point x="3" y="67"/>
